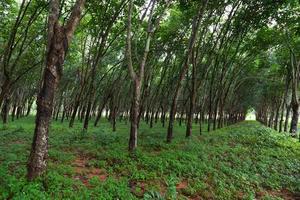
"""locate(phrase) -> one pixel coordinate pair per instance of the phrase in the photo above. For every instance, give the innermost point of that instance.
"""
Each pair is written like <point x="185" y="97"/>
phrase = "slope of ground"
<point x="243" y="161"/>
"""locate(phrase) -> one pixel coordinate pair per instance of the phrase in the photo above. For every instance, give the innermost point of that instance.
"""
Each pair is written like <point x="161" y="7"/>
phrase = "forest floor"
<point x="242" y="161"/>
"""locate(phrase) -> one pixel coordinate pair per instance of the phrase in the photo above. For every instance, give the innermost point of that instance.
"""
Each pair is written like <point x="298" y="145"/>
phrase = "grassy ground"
<point x="243" y="161"/>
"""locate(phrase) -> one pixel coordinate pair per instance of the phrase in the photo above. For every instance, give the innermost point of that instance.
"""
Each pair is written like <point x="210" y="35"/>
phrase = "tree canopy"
<point x="205" y="62"/>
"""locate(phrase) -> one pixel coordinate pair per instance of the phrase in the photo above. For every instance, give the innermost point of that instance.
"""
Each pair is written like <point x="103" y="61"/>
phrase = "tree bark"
<point x="196" y="23"/>
<point x="294" y="101"/>
<point x="287" y="116"/>
<point x="295" y="117"/>
<point x="59" y="38"/>
<point x="100" y="110"/>
<point x="138" y="78"/>
<point x="5" y="110"/>
<point x="134" y="112"/>
<point x="29" y="105"/>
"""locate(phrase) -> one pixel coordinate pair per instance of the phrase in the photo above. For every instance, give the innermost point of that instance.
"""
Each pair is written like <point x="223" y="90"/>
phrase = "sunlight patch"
<point x="251" y="114"/>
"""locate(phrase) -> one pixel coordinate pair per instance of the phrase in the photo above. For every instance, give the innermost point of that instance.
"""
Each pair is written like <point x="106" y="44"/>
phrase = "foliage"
<point x="245" y="160"/>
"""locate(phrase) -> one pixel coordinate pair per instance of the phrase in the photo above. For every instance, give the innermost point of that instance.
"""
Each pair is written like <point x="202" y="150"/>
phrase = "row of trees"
<point x="278" y="102"/>
<point x="141" y="60"/>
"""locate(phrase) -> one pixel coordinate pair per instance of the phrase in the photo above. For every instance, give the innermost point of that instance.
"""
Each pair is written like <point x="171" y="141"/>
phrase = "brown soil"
<point x="284" y="194"/>
<point x="84" y="173"/>
<point x="182" y="185"/>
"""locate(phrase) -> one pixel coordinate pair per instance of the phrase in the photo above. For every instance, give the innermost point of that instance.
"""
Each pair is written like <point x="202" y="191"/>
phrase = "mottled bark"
<point x="59" y="38"/>
<point x="138" y="77"/>
<point x="134" y="112"/>
<point x="295" y="117"/>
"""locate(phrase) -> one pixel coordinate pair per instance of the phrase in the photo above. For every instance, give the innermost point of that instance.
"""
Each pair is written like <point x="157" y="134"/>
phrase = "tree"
<point x="138" y="78"/>
<point x="59" y="38"/>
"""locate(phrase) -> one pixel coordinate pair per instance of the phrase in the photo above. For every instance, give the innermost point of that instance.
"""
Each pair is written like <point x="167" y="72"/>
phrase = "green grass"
<point x="243" y="161"/>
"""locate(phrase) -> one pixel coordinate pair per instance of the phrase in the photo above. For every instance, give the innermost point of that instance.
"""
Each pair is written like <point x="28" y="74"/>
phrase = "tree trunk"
<point x="114" y="118"/>
<point x="74" y="112"/>
<point x="13" y="112"/>
<point x="151" y="119"/>
<point x="200" y="122"/>
<point x="271" y="118"/>
<point x="100" y="110"/>
<point x="192" y="105"/>
<point x="294" y="100"/>
<point x="156" y="116"/>
<point x="295" y="116"/>
<point x="63" y="114"/>
<point x="134" y="116"/>
<point x="19" y="112"/>
<point x="88" y="111"/>
<point x="5" y="88"/>
<point x="29" y="106"/>
<point x="287" y="116"/>
<point x="196" y="23"/>
<point x="59" y="38"/>
<point x="39" y="152"/>
<point x="163" y="119"/>
<point x="5" y="110"/>
<point x="276" y="117"/>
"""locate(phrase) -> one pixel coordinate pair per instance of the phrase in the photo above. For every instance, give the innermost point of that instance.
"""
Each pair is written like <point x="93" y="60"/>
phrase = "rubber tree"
<point x="138" y="77"/>
<point x="59" y="38"/>
<point x="185" y="65"/>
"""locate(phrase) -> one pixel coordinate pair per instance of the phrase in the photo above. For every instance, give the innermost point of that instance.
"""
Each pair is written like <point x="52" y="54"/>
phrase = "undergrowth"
<point x="243" y="161"/>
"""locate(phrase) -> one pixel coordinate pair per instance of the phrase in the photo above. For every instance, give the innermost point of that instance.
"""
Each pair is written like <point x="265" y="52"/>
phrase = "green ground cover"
<point x="243" y="161"/>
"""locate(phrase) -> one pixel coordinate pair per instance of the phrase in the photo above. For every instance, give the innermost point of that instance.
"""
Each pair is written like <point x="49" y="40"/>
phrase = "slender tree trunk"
<point x="284" y="105"/>
<point x="29" y="106"/>
<point x="99" y="114"/>
<point x="5" y="88"/>
<point x="215" y="117"/>
<point x="191" y="111"/>
<point x="295" y="116"/>
<point x="271" y="118"/>
<point x="287" y="116"/>
<point x="156" y="116"/>
<point x="88" y="111"/>
<point x="100" y="110"/>
<point x="181" y="117"/>
<point x="209" y="118"/>
<point x="74" y="112"/>
<point x="114" y="118"/>
<point x="138" y="78"/>
<point x="5" y="110"/>
<point x="151" y="118"/>
<point x="19" y="112"/>
<point x="197" y="118"/>
<point x="134" y="116"/>
<point x="81" y="116"/>
<point x="294" y="100"/>
<point x="281" y="118"/>
<point x="63" y="114"/>
<point x="276" y="117"/>
<point x="221" y="116"/>
<point x="196" y="23"/>
<point x="200" y="123"/>
<point x="13" y="112"/>
<point x="163" y="119"/>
